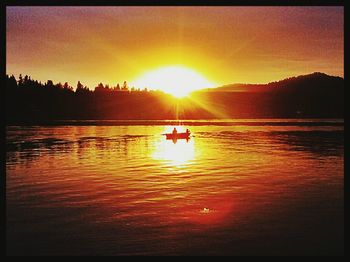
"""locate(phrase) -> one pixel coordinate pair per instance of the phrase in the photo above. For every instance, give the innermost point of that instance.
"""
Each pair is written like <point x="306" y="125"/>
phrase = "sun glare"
<point x="175" y="153"/>
<point x="178" y="81"/>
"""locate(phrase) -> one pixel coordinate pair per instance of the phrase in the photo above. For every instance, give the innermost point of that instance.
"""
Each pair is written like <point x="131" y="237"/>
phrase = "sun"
<point x="178" y="81"/>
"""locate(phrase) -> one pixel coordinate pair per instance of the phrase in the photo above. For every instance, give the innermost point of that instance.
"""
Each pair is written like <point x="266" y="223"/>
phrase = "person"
<point x="187" y="131"/>
<point x="174" y="131"/>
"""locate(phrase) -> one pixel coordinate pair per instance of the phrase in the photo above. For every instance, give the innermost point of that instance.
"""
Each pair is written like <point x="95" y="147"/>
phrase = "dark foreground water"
<point x="235" y="188"/>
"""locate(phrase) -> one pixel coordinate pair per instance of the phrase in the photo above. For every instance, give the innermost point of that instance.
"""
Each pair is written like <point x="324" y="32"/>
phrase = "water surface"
<point x="271" y="187"/>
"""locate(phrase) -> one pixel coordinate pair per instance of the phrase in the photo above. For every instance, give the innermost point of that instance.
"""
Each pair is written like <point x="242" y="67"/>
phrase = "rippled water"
<point x="233" y="188"/>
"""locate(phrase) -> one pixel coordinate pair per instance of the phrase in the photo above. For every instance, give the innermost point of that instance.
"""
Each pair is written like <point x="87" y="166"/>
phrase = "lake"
<point x="236" y="187"/>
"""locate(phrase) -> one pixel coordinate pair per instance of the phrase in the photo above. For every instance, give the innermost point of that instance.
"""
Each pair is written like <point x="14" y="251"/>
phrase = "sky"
<point x="223" y="44"/>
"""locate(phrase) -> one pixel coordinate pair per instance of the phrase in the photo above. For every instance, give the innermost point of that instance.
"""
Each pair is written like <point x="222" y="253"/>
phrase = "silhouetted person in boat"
<point x="174" y="131"/>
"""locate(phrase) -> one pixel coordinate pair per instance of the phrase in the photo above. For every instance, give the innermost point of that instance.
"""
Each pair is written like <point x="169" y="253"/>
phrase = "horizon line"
<point x="149" y="88"/>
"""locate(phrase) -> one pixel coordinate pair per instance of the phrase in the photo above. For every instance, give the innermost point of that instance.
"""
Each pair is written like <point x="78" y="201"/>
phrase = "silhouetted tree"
<point x="49" y="83"/>
<point x="26" y="80"/>
<point x="20" y="80"/>
<point x="81" y="89"/>
<point x="59" y="85"/>
<point x="11" y="82"/>
<point x="79" y="85"/>
<point x="125" y="86"/>
<point x="99" y="88"/>
<point x="66" y="86"/>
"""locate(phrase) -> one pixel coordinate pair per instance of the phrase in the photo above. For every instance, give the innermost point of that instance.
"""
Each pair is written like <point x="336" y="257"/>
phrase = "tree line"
<point x="27" y="82"/>
<point x="29" y="100"/>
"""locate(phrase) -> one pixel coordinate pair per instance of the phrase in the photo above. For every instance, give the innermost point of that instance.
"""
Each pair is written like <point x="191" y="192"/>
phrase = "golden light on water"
<point x="177" y="80"/>
<point x="176" y="152"/>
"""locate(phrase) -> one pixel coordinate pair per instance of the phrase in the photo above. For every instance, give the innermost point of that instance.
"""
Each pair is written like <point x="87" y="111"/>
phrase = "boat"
<point x="173" y="136"/>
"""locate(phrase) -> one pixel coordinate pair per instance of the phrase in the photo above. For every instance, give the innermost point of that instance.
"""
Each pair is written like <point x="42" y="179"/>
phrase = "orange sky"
<point x="224" y="44"/>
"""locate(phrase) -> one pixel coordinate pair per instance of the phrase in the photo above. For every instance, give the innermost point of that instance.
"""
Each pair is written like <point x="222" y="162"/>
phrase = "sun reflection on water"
<point x="176" y="152"/>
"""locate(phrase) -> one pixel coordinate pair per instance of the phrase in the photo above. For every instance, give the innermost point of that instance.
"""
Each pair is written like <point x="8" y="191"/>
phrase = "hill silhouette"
<point x="315" y="80"/>
<point x="315" y="95"/>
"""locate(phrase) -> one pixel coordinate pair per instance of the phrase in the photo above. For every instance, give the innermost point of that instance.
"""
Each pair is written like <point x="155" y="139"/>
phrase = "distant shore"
<point x="315" y="95"/>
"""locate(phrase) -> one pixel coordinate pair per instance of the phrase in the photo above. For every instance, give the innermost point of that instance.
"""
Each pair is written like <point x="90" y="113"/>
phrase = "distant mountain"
<point x="316" y="95"/>
<point x="308" y="82"/>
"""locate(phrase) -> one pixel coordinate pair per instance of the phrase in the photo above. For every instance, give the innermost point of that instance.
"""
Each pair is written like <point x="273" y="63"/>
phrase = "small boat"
<point x="185" y="135"/>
